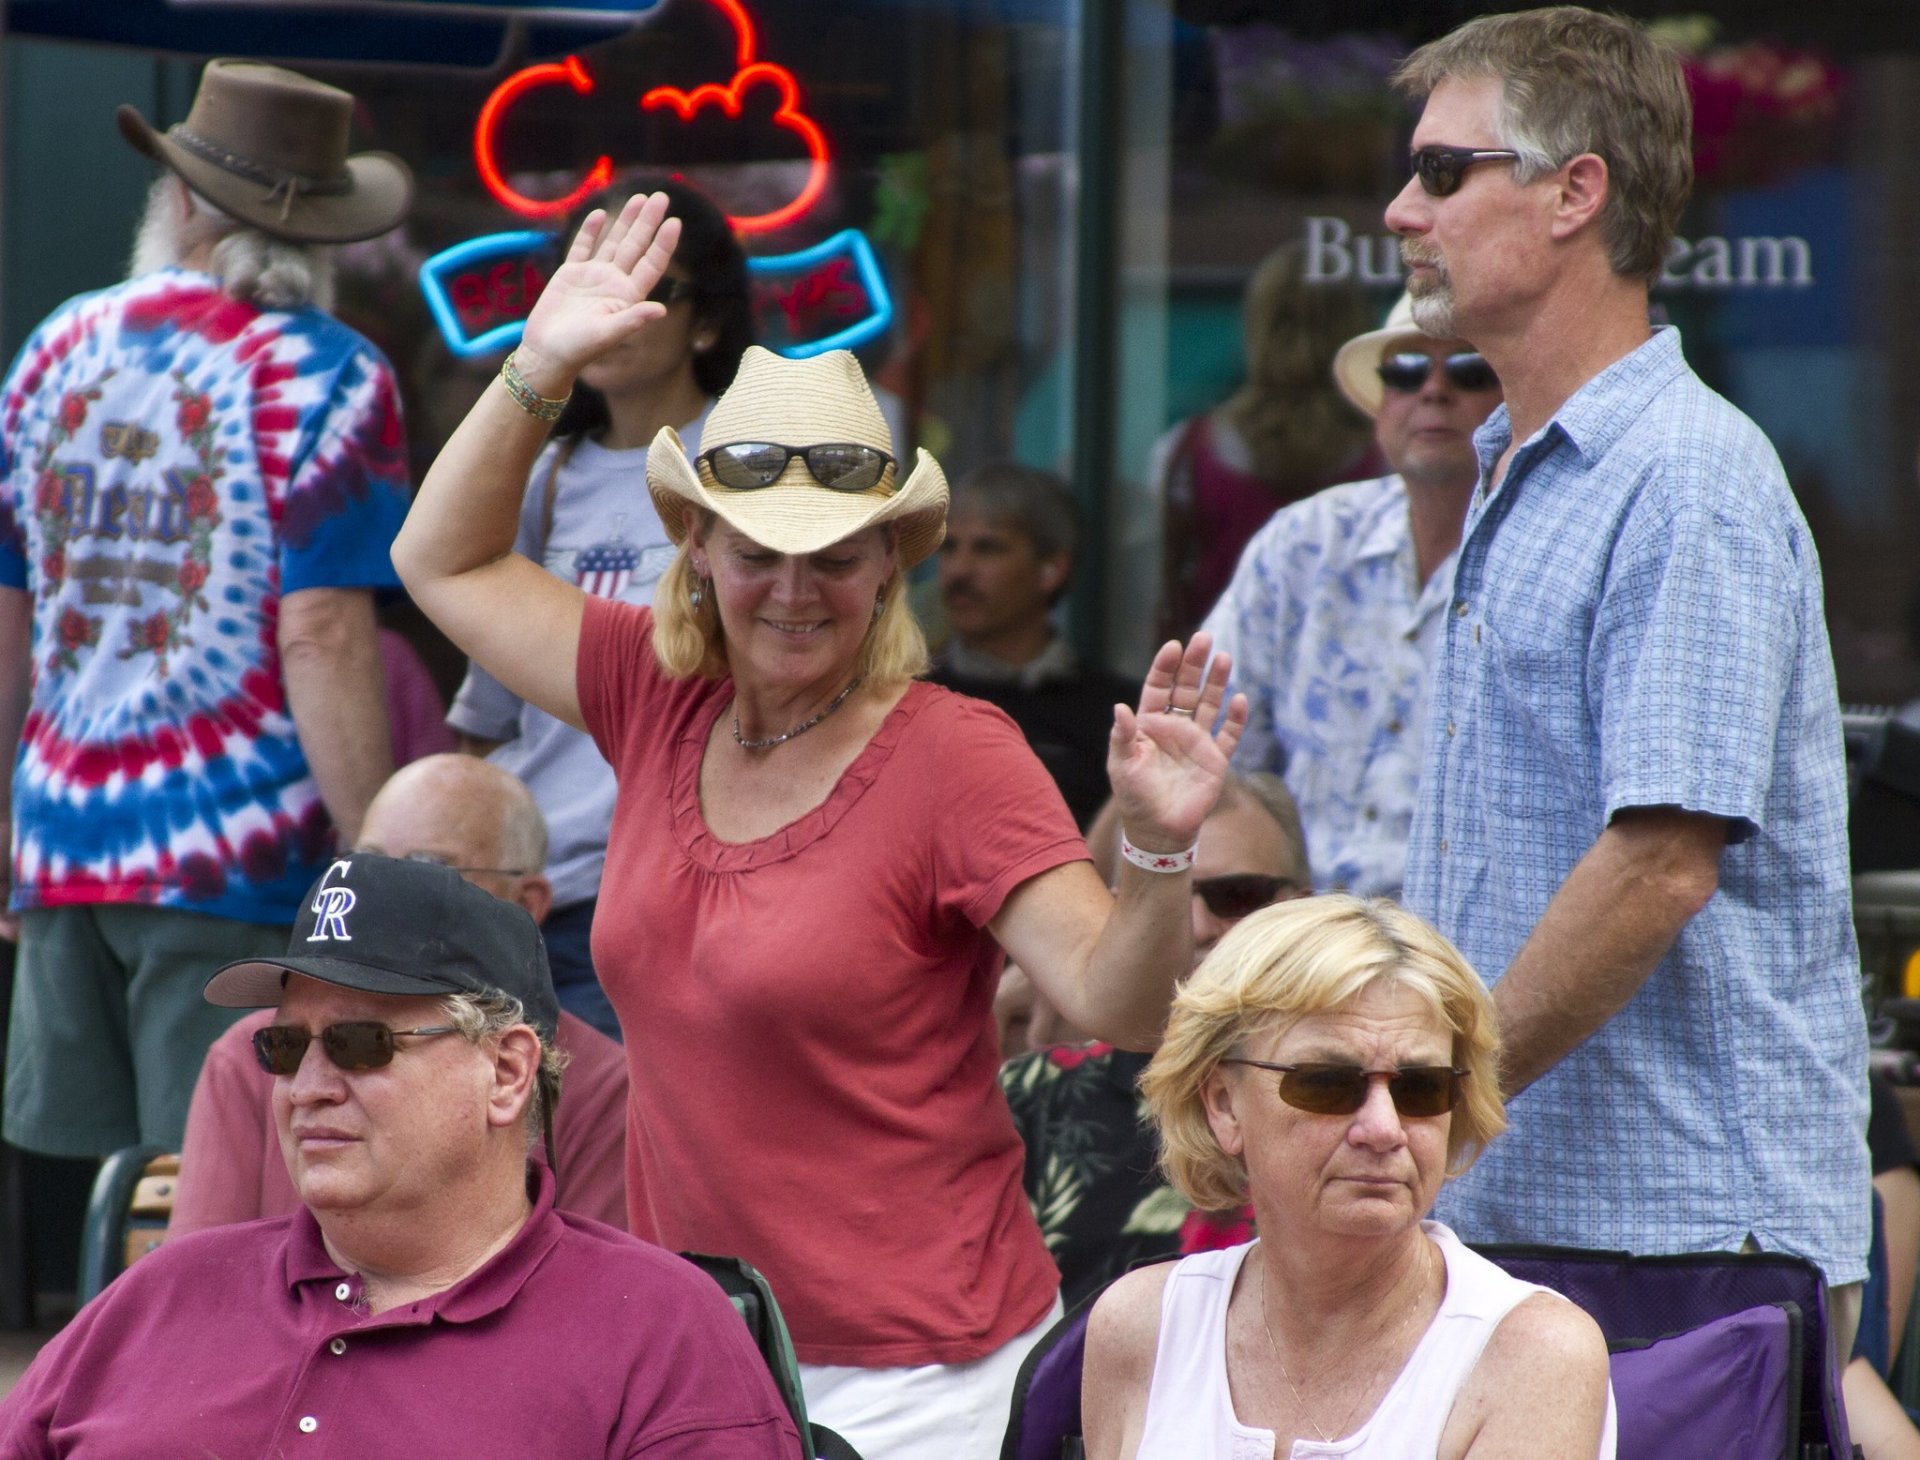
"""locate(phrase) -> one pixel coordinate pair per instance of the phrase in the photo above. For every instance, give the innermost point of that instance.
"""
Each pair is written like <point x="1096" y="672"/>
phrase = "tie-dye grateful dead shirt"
<point x="172" y="462"/>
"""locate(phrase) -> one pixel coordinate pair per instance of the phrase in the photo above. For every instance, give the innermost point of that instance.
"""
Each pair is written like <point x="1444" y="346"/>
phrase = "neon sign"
<point x="832" y="296"/>
<point x="749" y="73"/>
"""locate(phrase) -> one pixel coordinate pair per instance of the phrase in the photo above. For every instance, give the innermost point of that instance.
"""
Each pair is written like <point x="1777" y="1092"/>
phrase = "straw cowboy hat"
<point x="799" y="403"/>
<point x="269" y="147"/>
<point x="1356" y="369"/>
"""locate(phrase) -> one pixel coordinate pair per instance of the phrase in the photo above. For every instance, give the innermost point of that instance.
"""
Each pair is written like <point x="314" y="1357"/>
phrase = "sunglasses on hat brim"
<point x="843" y="466"/>
<point x="1417" y="1091"/>
<point x="1409" y="370"/>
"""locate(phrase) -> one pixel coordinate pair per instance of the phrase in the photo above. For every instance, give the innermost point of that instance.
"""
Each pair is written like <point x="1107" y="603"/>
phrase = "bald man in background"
<point x="480" y="821"/>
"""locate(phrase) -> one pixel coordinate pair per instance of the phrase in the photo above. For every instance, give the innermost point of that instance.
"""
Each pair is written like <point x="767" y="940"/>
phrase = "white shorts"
<point x="934" y="1412"/>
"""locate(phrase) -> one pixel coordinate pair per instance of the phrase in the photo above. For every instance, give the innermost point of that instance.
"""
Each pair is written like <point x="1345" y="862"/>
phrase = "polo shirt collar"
<point x="475" y="1296"/>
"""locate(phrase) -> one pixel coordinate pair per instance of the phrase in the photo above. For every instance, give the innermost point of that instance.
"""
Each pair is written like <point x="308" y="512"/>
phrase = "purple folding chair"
<point x="1713" y="1354"/>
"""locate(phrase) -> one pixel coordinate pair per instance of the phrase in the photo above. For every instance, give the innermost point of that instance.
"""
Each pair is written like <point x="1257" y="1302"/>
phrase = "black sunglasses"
<point x="1409" y="371"/>
<point x="1440" y="169"/>
<point x="356" y="1045"/>
<point x="668" y="290"/>
<point x="1418" y="1090"/>
<point x="845" y="466"/>
<point x="1232" y="897"/>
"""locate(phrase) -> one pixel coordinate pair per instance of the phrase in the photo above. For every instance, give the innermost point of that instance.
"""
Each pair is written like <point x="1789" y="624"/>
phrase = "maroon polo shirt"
<point x="575" y="1340"/>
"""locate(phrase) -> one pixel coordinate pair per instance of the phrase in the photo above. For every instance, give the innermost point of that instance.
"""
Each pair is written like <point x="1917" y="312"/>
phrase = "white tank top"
<point x="1190" y="1410"/>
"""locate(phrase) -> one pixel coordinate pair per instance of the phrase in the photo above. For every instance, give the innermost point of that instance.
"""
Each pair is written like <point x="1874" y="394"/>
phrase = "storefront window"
<point x="1789" y="281"/>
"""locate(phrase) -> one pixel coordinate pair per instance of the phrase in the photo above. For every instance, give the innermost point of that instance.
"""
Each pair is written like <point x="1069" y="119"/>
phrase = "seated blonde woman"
<point x="1334" y="1061"/>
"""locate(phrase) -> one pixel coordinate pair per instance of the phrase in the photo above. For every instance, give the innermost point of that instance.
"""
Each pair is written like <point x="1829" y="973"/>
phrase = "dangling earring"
<point x="697" y="594"/>
<point x="879" y="604"/>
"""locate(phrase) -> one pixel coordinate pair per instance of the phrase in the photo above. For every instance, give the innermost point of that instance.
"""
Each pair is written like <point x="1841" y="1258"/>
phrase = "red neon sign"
<point x="568" y="72"/>
<point x="748" y="73"/>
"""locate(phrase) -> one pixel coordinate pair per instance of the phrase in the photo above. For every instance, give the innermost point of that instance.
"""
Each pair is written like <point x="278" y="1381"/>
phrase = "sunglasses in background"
<point x="356" y="1045"/>
<point x="1319" y="1089"/>
<point x="1234" y="896"/>
<point x="668" y="290"/>
<point x="1440" y="169"/>
<point x="1409" y="371"/>
<point x="845" y="466"/>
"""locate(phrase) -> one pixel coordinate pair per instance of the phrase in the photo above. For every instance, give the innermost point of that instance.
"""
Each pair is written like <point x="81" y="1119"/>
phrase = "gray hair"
<point x="1574" y="81"/>
<point x="523" y="830"/>
<point x="1039" y="501"/>
<point x="479" y="1016"/>
<point x="274" y="273"/>
<point x="1267" y="791"/>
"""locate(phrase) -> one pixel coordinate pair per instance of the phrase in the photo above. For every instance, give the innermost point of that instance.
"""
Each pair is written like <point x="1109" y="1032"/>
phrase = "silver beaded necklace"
<point x="801" y="729"/>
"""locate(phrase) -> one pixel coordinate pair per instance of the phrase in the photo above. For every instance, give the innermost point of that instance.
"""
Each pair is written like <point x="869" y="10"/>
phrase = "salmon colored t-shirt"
<point x="808" y="1016"/>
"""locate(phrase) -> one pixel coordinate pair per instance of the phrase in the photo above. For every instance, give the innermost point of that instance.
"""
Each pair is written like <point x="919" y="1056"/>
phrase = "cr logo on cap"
<point x="330" y="908"/>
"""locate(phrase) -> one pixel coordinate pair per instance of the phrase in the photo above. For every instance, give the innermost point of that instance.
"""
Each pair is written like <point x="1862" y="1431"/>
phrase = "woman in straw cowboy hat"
<point x="815" y="859"/>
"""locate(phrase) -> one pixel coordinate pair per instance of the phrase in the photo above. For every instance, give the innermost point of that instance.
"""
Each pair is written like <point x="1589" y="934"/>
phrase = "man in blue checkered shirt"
<point x="1632" y="812"/>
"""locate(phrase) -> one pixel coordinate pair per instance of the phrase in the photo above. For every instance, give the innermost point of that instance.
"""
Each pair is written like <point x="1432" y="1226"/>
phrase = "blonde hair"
<point x="1297" y="427"/>
<point x="1574" y="81"/>
<point x="689" y="640"/>
<point x="1282" y="964"/>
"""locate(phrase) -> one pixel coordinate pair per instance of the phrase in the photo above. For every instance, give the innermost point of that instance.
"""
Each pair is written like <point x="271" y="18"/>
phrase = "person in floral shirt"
<point x="200" y="475"/>
<point x="1091" y="1173"/>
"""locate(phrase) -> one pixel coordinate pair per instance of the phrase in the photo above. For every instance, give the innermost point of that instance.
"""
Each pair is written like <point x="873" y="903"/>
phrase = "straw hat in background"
<point x="1356" y="368"/>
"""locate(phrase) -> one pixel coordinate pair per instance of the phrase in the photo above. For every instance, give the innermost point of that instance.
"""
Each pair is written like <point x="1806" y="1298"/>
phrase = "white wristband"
<point x="1157" y="861"/>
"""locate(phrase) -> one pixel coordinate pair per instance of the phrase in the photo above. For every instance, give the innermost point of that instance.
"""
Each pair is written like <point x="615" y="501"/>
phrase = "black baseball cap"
<point x="388" y="926"/>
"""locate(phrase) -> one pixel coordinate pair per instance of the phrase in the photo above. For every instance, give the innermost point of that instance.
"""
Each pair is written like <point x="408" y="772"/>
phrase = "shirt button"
<point x="1476" y="635"/>
<point x="1443" y="846"/>
<point x="1460" y="609"/>
<point x="1449" y="729"/>
<point x="1394" y="727"/>
<point x="308" y="1424"/>
<point x="343" y="1292"/>
<point x="338" y="1346"/>
<point x="1372" y="813"/>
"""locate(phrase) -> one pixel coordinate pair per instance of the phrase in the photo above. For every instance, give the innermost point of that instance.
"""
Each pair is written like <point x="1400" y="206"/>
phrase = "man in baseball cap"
<point x="1336" y="607"/>
<point x="427" y="1298"/>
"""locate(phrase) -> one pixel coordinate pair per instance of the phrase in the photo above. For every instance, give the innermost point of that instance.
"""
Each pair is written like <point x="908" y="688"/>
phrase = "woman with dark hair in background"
<point x="587" y="519"/>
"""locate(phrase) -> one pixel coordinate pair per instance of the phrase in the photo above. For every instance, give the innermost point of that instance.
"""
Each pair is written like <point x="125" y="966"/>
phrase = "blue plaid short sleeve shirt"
<point x="1637" y="621"/>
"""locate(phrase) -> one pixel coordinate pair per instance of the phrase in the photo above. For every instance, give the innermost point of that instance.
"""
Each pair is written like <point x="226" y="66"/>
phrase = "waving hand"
<point x="598" y="295"/>
<point x="1166" y="760"/>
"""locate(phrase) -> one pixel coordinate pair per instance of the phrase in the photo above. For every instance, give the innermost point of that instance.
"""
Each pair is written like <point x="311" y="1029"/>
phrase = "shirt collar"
<point x="1056" y="661"/>
<point x="1389" y="533"/>
<point x="476" y="1295"/>
<point x="1599" y="412"/>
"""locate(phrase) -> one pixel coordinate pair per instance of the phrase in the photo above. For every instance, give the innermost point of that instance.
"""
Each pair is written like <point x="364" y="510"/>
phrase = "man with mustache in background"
<point x="1004" y="564"/>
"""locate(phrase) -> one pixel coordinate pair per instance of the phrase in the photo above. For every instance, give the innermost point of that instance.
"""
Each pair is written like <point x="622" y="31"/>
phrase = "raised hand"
<point x="598" y="295"/>
<point x="1166" y="760"/>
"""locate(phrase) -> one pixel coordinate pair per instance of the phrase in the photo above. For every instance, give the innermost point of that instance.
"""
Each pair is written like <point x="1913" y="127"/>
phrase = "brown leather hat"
<point x="269" y="147"/>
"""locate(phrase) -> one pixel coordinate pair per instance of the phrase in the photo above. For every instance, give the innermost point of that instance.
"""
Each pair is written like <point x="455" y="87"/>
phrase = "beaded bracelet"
<point x="537" y="406"/>
<point x="1157" y="861"/>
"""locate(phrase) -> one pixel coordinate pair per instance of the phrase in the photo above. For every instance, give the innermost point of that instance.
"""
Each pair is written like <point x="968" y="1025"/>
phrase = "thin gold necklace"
<point x="1312" y="1423"/>
<point x="801" y="729"/>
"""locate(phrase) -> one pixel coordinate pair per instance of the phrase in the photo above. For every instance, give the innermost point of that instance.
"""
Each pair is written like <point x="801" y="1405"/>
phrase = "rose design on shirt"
<point x="164" y="631"/>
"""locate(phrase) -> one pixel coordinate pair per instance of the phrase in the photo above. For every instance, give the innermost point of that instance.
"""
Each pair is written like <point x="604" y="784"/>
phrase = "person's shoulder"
<point x="1329" y="520"/>
<point x="183" y="1266"/>
<point x="1124" y="1326"/>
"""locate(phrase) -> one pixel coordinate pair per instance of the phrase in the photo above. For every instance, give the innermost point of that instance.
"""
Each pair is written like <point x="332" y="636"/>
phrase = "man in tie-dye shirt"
<point x="200" y="475"/>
